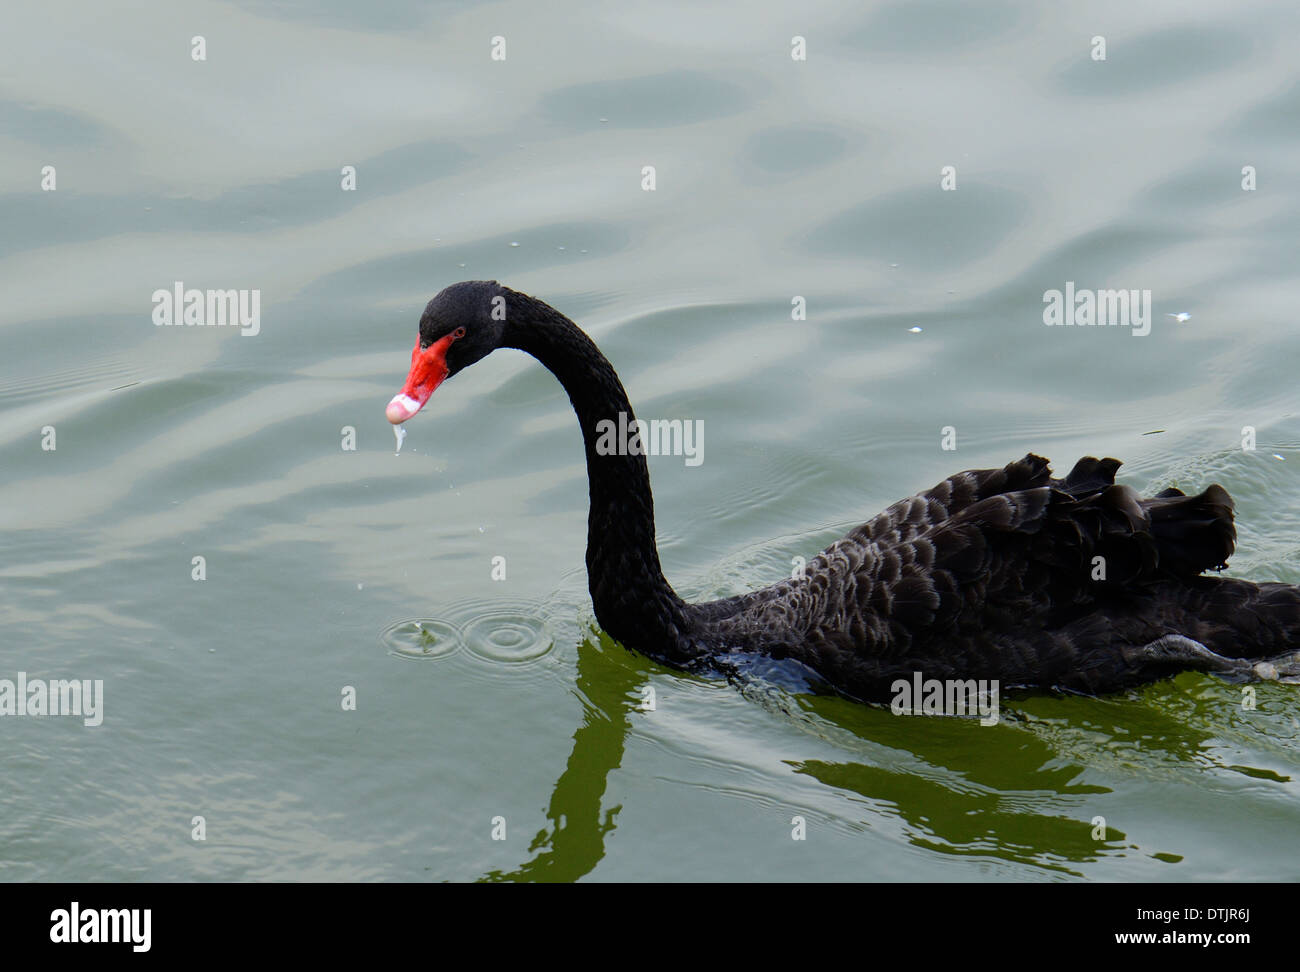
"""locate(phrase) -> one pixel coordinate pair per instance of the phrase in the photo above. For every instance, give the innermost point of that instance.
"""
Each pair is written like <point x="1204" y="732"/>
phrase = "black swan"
<point x="992" y="574"/>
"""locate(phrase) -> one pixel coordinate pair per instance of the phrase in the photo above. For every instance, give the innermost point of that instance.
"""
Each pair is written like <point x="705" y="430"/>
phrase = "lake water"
<point x="775" y="178"/>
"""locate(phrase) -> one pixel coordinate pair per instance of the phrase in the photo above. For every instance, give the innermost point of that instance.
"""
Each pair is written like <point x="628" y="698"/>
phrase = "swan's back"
<point x="1009" y="574"/>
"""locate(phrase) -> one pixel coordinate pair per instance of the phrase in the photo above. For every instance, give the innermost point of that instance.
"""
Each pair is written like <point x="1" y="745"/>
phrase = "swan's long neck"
<point x="633" y="601"/>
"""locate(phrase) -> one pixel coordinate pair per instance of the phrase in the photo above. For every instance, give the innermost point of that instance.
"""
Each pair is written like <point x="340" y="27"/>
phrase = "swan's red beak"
<point x="428" y="369"/>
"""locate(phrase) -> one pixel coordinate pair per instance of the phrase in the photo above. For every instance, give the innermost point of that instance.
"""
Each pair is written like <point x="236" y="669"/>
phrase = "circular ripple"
<point x="422" y="638"/>
<point x="503" y="637"/>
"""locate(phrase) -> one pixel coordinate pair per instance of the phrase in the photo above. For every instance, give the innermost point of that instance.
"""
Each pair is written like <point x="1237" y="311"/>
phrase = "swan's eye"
<point x="458" y="333"/>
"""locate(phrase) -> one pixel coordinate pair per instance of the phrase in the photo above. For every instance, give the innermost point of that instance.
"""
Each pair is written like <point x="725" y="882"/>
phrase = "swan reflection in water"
<point x="1027" y="792"/>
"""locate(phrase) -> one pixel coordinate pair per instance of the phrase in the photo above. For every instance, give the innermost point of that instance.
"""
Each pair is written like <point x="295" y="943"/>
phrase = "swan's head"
<point x="458" y="327"/>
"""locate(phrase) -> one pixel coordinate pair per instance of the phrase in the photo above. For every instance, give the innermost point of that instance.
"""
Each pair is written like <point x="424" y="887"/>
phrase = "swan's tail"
<point x="1235" y="628"/>
<point x="1233" y="618"/>
<point x="1159" y="549"/>
<point x="1192" y="533"/>
<point x="1240" y="619"/>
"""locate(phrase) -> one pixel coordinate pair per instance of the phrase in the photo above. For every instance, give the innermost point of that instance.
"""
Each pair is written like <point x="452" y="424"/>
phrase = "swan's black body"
<point x="992" y="574"/>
